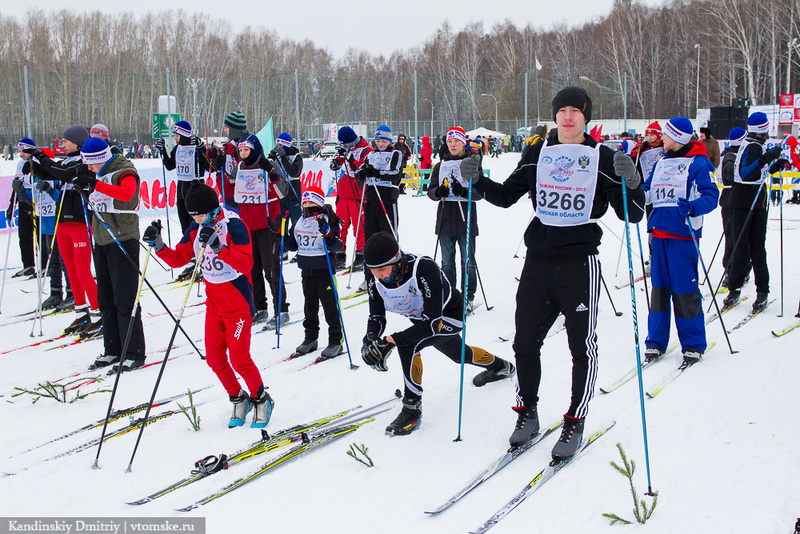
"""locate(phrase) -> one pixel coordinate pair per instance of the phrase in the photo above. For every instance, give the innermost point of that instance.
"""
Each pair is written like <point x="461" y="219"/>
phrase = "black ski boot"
<point x="308" y="345"/>
<point x="506" y="370"/>
<point x="104" y="360"/>
<point x="407" y="421"/>
<point x="691" y="357"/>
<point x="732" y="298"/>
<point x="52" y="301"/>
<point x="527" y="425"/>
<point x="761" y="301"/>
<point x="331" y="351"/>
<point x="79" y="324"/>
<point x="652" y="354"/>
<point x="571" y="438"/>
<point x="94" y="328"/>
<point x="130" y="364"/>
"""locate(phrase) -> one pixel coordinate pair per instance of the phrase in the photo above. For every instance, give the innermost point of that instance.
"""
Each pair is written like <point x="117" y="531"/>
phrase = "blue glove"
<point x="208" y="236"/>
<point x="685" y="209"/>
<point x="324" y="225"/>
<point x="152" y="235"/>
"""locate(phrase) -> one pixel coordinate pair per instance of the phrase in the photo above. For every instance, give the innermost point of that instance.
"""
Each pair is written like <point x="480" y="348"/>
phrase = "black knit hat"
<point x="200" y="199"/>
<point x="575" y="97"/>
<point x="381" y="250"/>
<point x="77" y="134"/>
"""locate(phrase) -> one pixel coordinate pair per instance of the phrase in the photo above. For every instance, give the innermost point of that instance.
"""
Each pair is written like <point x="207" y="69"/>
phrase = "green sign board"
<point x="162" y="124"/>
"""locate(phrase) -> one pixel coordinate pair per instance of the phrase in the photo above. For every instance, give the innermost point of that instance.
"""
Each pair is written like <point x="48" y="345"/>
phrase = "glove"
<point x="442" y="191"/>
<point x="208" y="236"/>
<point x="16" y="185"/>
<point x="35" y="152"/>
<point x="279" y="150"/>
<point x="152" y="235"/>
<point x="368" y="170"/>
<point x="625" y="169"/>
<point x="45" y="187"/>
<point x="160" y="144"/>
<point x="458" y="189"/>
<point x="773" y="153"/>
<point x="335" y="165"/>
<point x="324" y="225"/>
<point x="195" y="141"/>
<point x="275" y="225"/>
<point x="266" y="165"/>
<point x="10" y="212"/>
<point x="27" y="167"/>
<point x="341" y="151"/>
<point x="375" y="353"/>
<point x="469" y="168"/>
<point x="273" y="154"/>
<point x="684" y="208"/>
<point x="781" y="165"/>
<point x="85" y="180"/>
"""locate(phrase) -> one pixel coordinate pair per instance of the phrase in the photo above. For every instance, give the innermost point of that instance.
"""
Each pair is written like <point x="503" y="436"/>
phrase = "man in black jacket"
<point x="571" y="180"/>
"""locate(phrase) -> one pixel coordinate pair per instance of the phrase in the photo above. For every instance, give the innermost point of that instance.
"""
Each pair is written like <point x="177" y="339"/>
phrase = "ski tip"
<point x="188" y="508"/>
<point x="139" y="502"/>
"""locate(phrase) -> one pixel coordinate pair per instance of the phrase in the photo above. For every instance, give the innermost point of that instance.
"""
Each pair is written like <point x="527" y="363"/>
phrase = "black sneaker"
<point x="651" y="354"/>
<point x="527" y="425"/>
<point x="103" y="361"/>
<point x="571" y="438"/>
<point x="127" y="365"/>
<point x="506" y="370"/>
<point x="407" y="421"/>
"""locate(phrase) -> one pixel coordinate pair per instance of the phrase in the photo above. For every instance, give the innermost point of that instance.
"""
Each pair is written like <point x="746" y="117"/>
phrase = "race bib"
<point x="185" y="162"/>
<point x="381" y="161"/>
<point x="648" y="160"/>
<point x="309" y="240"/>
<point x="669" y="182"/>
<point x="566" y="179"/>
<point x="44" y="205"/>
<point x="250" y="186"/>
<point x="216" y="271"/>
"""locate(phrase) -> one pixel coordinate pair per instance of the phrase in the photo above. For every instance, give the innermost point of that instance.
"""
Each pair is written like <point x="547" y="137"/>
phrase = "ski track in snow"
<point x="720" y="438"/>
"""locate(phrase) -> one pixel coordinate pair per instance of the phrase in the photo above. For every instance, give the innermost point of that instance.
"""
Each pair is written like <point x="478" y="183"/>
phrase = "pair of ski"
<point x="750" y="316"/>
<point x="537" y="482"/>
<point x="310" y="435"/>
<point x="725" y="309"/>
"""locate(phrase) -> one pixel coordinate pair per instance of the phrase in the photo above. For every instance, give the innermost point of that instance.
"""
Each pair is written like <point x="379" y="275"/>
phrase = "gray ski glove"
<point x="469" y="168"/>
<point x="625" y="169"/>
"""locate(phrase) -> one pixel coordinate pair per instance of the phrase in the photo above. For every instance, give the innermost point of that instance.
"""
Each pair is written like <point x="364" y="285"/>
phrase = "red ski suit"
<point x="348" y="193"/>
<point x="229" y="302"/>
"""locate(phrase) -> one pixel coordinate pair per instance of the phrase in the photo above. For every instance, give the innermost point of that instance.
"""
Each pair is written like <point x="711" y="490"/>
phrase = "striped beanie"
<point x="315" y="195"/>
<point x="26" y="142"/>
<point x="99" y="130"/>
<point x="758" y="123"/>
<point x="383" y="133"/>
<point x="457" y="132"/>
<point x="679" y="129"/>
<point x="737" y="135"/>
<point x="95" y="151"/>
<point x="284" y="139"/>
<point x="182" y="128"/>
<point x="236" y="120"/>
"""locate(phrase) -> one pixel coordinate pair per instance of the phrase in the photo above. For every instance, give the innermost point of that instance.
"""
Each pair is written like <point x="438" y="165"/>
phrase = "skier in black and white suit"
<point x="415" y="287"/>
<point x="572" y="181"/>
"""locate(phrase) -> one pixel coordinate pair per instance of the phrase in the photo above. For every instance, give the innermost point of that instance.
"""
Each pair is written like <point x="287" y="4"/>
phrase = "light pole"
<point x="697" y="82"/>
<point x="792" y="44"/>
<point x="496" y="102"/>
<point x="388" y="113"/>
<point x="10" y="122"/>
<point x="432" y="106"/>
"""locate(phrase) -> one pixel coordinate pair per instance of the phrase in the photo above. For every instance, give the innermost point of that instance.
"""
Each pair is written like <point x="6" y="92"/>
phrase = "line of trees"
<point x="93" y="67"/>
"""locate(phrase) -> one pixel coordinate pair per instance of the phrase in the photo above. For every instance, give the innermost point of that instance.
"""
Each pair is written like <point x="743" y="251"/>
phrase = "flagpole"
<point x="538" y="68"/>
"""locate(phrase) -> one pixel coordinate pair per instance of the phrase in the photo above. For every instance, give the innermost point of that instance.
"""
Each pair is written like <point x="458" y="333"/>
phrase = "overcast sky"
<point x="379" y="27"/>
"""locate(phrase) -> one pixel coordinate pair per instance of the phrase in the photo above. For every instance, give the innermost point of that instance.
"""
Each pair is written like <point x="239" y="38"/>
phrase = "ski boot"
<point x="261" y="316"/>
<point x="94" y="328"/>
<point x="77" y="326"/>
<point x="761" y="301"/>
<point x="186" y="274"/>
<point x="331" y="351"/>
<point x="527" y="425"/>
<point x="263" y="409"/>
<point x="571" y="437"/>
<point x="506" y="370"/>
<point x="272" y="324"/>
<point x="52" y="301"/>
<point x="407" y="421"/>
<point x="652" y="354"/>
<point x="308" y="345"/>
<point x="241" y="407"/>
<point x="691" y="357"/>
<point x="130" y="364"/>
<point x="104" y="360"/>
<point x="732" y="299"/>
<point x="25" y="271"/>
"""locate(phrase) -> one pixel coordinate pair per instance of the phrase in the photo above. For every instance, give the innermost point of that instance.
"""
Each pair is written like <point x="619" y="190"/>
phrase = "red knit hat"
<point x="653" y="128"/>
<point x="457" y="132"/>
<point x="315" y="195"/>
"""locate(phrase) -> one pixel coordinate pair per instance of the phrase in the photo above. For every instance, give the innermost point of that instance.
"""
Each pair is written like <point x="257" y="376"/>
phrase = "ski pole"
<point x="336" y="298"/>
<point x="635" y="316"/>
<point x="123" y="353"/>
<point x="521" y="239"/>
<point x="617" y="313"/>
<point x="355" y="241"/>
<point x="713" y="295"/>
<point x="8" y="249"/>
<point x="196" y="269"/>
<point x="135" y="265"/>
<point x="471" y="246"/>
<point x="781" y="211"/>
<point x="52" y="247"/>
<point x="644" y="274"/>
<point x="166" y="205"/>
<point x="280" y="281"/>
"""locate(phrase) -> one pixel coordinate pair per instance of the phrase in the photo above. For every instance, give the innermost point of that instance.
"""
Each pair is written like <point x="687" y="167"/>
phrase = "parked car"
<point x="613" y="144"/>
<point x="328" y="150"/>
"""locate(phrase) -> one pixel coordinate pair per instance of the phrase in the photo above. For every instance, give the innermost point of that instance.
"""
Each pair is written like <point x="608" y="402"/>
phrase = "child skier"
<point x="318" y="221"/>
<point x="226" y="258"/>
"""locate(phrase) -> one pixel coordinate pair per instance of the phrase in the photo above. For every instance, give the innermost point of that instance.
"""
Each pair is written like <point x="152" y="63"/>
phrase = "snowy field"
<point x="722" y="438"/>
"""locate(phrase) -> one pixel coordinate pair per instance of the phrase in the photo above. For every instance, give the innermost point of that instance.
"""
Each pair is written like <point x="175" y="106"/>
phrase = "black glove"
<point x="266" y="165"/>
<point x="458" y="189"/>
<point x="10" y="212"/>
<point x="279" y="151"/>
<point x="273" y="154"/>
<point x="27" y="167"/>
<point x="774" y="152"/>
<point x="442" y="191"/>
<point x="342" y="151"/>
<point x="85" y="180"/>
<point x="16" y="185"/>
<point x="335" y="165"/>
<point x="625" y="169"/>
<point x="324" y="225"/>
<point x="376" y="353"/>
<point x="781" y="165"/>
<point x="160" y="144"/>
<point x="195" y="141"/>
<point x="152" y="235"/>
<point x="35" y="152"/>
<point x="208" y="236"/>
<point x="275" y="224"/>
<point x="469" y="168"/>
<point x="45" y="187"/>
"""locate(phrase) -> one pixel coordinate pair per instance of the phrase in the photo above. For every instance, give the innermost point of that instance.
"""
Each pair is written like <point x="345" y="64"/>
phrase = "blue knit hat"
<point x="737" y="135"/>
<point x="284" y="140"/>
<point x="383" y="132"/>
<point x="758" y="123"/>
<point x="95" y="150"/>
<point x="26" y="142"/>
<point x="347" y="135"/>
<point x="182" y="128"/>
<point x="679" y="129"/>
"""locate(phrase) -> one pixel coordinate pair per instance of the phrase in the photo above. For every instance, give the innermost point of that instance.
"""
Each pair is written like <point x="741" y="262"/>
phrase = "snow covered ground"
<point x="722" y="438"/>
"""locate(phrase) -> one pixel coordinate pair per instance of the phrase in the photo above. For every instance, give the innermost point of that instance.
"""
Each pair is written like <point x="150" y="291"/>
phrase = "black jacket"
<point x="451" y="216"/>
